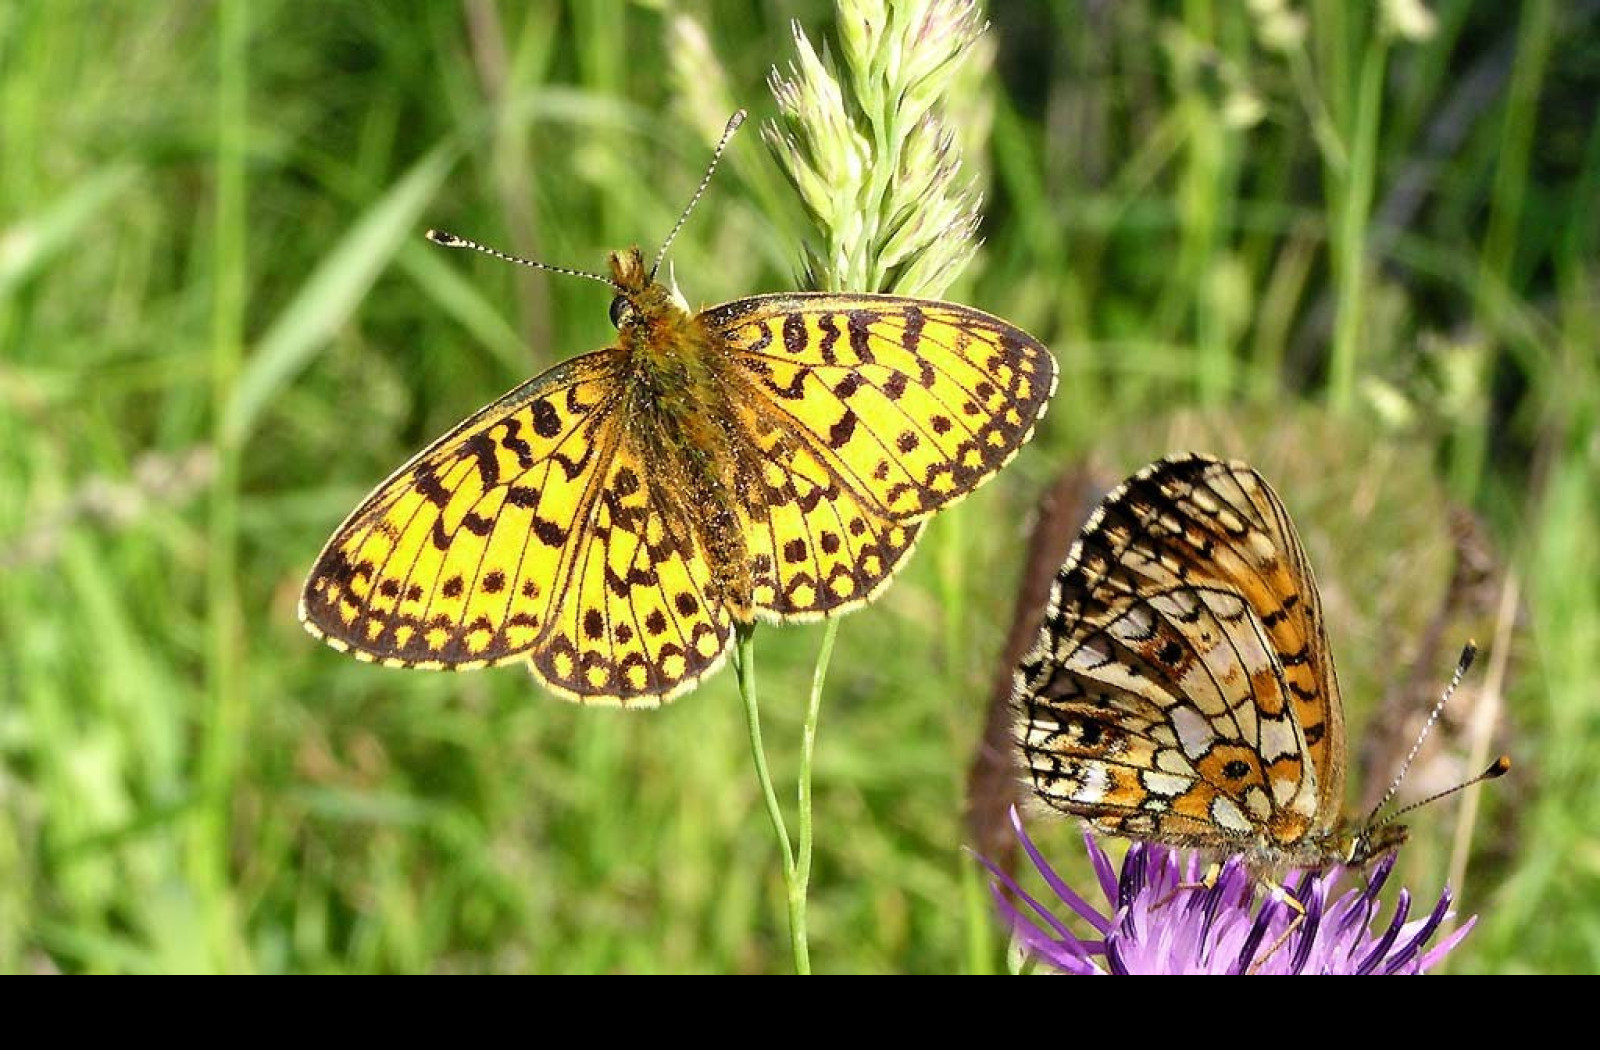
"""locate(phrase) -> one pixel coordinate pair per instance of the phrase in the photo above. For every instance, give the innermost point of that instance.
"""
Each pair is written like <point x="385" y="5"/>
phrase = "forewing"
<point x="1180" y="687"/>
<point x="913" y="403"/>
<point x="457" y="559"/>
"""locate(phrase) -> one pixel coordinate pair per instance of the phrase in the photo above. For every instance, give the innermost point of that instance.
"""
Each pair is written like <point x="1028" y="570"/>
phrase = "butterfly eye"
<point x="621" y="310"/>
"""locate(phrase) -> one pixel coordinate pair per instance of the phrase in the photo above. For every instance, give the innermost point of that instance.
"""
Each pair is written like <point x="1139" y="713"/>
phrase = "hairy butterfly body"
<point x="1181" y="688"/>
<point x="612" y="520"/>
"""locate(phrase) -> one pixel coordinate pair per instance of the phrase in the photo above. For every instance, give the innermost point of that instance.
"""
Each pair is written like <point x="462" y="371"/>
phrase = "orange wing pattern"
<point x="640" y="617"/>
<point x="528" y="532"/>
<point x="458" y="559"/>
<point x="916" y="403"/>
<point x="868" y="414"/>
<point x="611" y="520"/>
<point x="1181" y="687"/>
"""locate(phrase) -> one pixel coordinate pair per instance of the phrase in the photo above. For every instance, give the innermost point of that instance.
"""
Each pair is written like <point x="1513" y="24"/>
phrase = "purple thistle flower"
<point x="1155" y="927"/>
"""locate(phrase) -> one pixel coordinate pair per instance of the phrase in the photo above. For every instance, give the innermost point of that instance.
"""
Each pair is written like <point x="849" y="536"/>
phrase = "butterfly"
<point x="610" y="522"/>
<point x="1181" y="688"/>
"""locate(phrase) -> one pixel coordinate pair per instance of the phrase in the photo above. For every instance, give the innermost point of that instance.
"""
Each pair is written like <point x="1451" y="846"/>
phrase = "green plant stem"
<point x="808" y="740"/>
<point x="793" y="879"/>
<point x="1354" y="210"/>
<point x="223" y="724"/>
<point x="1536" y="29"/>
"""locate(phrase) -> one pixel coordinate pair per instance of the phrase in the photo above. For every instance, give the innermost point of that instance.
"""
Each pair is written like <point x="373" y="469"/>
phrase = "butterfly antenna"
<point x="1500" y="766"/>
<point x="727" y="133"/>
<point x="450" y="240"/>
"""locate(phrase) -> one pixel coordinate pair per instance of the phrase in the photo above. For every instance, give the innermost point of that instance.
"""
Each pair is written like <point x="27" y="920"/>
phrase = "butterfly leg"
<point x="1208" y="881"/>
<point x="1277" y="891"/>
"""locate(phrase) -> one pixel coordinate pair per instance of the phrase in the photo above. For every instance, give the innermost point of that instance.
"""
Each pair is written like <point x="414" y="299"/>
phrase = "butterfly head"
<point x="638" y="296"/>
<point x="1370" y="841"/>
<point x="633" y="282"/>
<point x="628" y="272"/>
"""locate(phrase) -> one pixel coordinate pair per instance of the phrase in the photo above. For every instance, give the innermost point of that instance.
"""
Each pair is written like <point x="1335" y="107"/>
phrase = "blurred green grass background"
<point x="1357" y="248"/>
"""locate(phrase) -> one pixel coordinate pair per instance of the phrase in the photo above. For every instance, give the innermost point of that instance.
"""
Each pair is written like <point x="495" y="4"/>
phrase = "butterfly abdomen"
<point x="612" y="520"/>
<point x="677" y="421"/>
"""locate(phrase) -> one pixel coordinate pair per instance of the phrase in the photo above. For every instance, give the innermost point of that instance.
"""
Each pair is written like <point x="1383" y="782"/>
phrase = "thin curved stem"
<point x="808" y="740"/>
<point x="794" y="883"/>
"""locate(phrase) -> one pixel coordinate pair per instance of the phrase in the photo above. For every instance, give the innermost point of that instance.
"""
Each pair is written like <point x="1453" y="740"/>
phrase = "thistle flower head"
<point x="1163" y="919"/>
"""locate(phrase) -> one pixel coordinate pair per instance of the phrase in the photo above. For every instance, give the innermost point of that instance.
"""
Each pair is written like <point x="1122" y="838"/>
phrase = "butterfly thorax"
<point x="667" y="348"/>
<point x="612" y="521"/>
<point x="1348" y="845"/>
<point x="676" y="414"/>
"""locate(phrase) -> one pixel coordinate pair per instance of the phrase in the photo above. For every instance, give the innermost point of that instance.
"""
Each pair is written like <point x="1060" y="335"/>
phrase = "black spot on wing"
<point x="429" y="487"/>
<point x="481" y="446"/>
<point x="794" y="333"/>
<point x="839" y="434"/>
<point x="515" y="445"/>
<point x="859" y="323"/>
<point x="830" y="336"/>
<point x="550" y="533"/>
<point x="546" y="420"/>
<point x="524" y="496"/>
<point x="911" y="336"/>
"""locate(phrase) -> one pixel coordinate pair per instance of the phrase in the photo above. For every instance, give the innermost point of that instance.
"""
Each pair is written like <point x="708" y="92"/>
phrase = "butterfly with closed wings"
<point x="1181" y="689"/>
